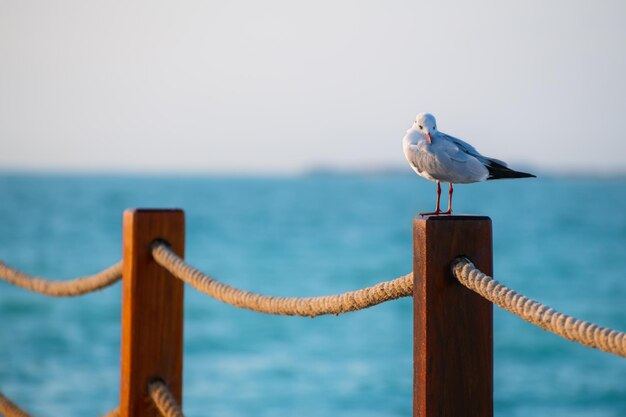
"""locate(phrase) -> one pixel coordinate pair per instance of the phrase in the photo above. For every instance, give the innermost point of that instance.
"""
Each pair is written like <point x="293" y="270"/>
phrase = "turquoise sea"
<point x="559" y="240"/>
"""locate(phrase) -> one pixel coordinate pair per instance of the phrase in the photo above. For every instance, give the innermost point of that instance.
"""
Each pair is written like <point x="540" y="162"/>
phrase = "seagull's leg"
<point x="437" y="209"/>
<point x="449" y="211"/>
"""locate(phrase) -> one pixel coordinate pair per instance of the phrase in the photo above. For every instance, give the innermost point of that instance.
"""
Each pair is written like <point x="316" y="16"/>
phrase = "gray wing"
<point x="466" y="147"/>
<point x="445" y="161"/>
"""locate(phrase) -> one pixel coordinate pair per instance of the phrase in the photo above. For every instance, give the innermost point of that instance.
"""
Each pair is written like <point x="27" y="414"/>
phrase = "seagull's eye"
<point x="420" y="126"/>
<point x="435" y="127"/>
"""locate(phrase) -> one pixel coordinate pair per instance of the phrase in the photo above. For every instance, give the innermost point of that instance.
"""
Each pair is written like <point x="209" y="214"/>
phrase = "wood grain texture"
<point x="152" y="311"/>
<point x="453" y="326"/>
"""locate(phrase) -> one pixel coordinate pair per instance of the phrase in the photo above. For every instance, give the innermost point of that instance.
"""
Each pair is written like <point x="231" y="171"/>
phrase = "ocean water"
<point x="561" y="241"/>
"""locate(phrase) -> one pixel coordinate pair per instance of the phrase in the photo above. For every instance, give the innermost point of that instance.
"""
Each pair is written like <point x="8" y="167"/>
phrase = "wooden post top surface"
<point x="451" y="217"/>
<point x="153" y="210"/>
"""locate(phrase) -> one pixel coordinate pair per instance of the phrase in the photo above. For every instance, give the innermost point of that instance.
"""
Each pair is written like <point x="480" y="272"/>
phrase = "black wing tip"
<point x="497" y="172"/>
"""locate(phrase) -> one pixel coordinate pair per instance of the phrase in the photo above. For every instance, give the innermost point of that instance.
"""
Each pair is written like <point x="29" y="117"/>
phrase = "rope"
<point x="539" y="314"/>
<point x="9" y="409"/>
<point x="288" y="306"/>
<point x="71" y="288"/>
<point x="164" y="400"/>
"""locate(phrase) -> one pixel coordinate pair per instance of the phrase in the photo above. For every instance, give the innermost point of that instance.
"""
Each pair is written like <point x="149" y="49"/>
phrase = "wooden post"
<point x="453" y="326"/>
<point x="152" y="311"/>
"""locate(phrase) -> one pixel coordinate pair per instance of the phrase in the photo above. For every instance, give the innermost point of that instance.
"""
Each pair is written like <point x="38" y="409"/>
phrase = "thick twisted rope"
<point x="70" y="288"/>
<point x="287" y="306"/>
<point x="539" y="314"/>
<point x="164" y="400"/>
<point x="9" y="409"/>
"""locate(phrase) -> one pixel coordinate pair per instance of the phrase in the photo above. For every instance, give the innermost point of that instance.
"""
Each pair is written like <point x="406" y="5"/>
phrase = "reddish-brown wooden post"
<point x="453" y="326"/>
<point x="152" y="311"/>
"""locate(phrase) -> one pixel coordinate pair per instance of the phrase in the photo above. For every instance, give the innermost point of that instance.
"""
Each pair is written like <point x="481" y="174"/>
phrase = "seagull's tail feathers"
<point x="499" y="171"/>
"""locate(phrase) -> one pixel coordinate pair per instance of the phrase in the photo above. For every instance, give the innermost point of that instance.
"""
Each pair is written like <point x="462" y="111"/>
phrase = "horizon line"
<point x="383" y="170"/>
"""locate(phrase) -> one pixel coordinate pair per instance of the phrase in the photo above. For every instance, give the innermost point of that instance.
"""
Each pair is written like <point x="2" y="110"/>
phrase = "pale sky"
<point x="281" y="86"/>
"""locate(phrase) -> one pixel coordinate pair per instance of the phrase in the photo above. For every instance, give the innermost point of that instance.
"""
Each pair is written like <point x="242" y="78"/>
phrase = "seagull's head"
<point x="426" y="124"/>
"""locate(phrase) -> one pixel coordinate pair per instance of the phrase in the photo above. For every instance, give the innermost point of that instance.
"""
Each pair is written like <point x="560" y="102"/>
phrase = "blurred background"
<point x="277" y="126"/>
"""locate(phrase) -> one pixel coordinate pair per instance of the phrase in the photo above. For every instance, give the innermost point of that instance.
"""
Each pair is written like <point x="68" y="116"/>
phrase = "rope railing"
<point x="164" y="400"/>
<point x="539" y="314"/>
<point x="287" y="306"/>
<point x="157" y="390"/>
<point x="69" y="288"/>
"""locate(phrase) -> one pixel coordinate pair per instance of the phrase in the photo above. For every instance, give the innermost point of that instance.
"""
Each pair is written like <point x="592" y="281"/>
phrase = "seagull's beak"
<point x="428" y="136"/>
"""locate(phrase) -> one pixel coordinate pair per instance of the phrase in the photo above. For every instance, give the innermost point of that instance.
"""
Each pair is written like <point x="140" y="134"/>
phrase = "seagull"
<point x="442" y="158"/>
